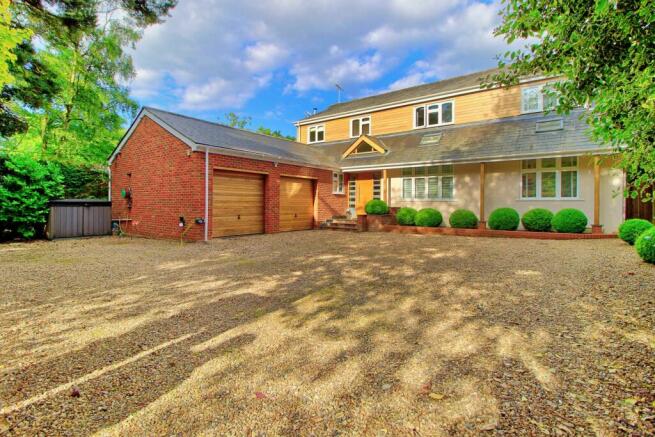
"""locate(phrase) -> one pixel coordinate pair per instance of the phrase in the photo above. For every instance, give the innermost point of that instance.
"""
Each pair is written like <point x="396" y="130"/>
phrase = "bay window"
<point x="433" y="114"/>
<point x="428" y="183"/>
<point x="550" y="178"/>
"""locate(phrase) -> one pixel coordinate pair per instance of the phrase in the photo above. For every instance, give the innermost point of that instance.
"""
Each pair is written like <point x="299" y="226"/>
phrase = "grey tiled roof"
<point x="428" y="89"/>
<point x="221" y="136"/>
<point x="511" y="138"/>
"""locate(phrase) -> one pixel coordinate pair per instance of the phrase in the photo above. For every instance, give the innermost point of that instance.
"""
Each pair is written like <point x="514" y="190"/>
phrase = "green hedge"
<point x="570" y="220"/>
<point x="645" y="245"/>
<point x="376" y="207"/>
<point x="631" y="229"/>
<point x="537" y="220"/>
<point x="406" y="216"/>
<point x="428" y="217"/>
<point x="463" y="218"/>
<point x="26" y="187"/>
<point x="504" y="219"/>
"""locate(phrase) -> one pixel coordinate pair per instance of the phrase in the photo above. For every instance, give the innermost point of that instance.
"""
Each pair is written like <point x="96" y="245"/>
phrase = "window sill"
<point x="428" y="200"/>
<point x="547" y="199"/>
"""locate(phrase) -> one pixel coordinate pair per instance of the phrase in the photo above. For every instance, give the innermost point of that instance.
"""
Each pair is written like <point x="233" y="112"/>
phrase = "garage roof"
<point x="503" y="139"/>
<point x="218" y="135"/>
<point x="196" y="132"/>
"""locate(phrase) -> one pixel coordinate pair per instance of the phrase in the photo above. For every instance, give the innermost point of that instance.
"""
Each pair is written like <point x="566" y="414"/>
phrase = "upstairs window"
<point x="428" y="183"/>
<point x="316" y="134"/>
<point x="550" y="178"/>
<point x="433" y="114"/>
<point x="360" y="126"/>
<point x="337" y="183"/>
<point x="538" y="98"/>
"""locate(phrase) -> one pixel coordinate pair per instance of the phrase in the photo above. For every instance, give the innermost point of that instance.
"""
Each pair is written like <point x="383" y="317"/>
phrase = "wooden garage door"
<point x="238" y="206"/>
<point x="296" y="204"/>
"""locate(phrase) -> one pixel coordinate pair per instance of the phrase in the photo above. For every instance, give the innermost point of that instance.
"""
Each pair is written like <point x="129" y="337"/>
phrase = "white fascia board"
<point x="499" y="158"/>
<point x="408" y="102"/>
<point x="143" y="113"/>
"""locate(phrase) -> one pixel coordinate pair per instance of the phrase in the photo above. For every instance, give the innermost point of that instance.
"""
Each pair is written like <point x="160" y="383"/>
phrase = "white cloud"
<point x="220" y="53"/>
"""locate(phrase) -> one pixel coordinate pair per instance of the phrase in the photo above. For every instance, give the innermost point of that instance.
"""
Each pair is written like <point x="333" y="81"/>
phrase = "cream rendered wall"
<point x="502" y="189"/>
<point x="466" y="195"/>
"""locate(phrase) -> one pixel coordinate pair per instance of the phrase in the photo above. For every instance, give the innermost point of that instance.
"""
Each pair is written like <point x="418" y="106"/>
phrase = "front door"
<point x="363" y="193"/>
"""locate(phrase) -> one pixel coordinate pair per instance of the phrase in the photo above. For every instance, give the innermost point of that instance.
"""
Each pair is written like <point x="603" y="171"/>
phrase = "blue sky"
<point x="274" y="60"/>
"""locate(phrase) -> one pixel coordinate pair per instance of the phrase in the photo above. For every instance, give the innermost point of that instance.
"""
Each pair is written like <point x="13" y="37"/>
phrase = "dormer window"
<point x="316" y="134"/>
<point x="433" y="114"/>
<point x="360" y="126"/>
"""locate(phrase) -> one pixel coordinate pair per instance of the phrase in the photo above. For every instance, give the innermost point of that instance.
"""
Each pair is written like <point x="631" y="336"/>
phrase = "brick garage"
<point x="166" y="177"/>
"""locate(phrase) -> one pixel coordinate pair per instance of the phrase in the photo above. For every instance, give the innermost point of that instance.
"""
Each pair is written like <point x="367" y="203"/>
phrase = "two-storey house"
<point x="448" y="145"/>
<point x="454" y="144"/>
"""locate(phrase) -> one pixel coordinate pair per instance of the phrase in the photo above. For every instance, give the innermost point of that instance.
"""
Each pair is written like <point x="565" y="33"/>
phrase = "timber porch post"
<point x="596" y="227"/>
<point x="483" y="222"/>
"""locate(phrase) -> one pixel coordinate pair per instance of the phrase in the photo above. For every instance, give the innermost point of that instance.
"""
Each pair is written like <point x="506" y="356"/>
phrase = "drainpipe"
<point x="109" y="184"/>
<point x="206" y="194"/>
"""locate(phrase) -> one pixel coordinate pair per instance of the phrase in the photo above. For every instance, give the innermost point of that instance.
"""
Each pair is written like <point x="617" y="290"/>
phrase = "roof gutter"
<point x="443" y="95"/>
<point x="497" y="158"/>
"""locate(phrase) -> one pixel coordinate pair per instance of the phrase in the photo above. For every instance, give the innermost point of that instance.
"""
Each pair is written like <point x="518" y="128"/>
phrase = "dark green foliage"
<point x="463" y="218"/>
<point x="428" y="217"/>
<point x="631" y="229"/>
<point x="645" y="245"/>
<point x="26" y="186"/>
<point x="603" y="50"/>
<point x="538" y="220"/>
<point x="569" y="220"/>
<point x="406" y="216"/>
<point x="504" y="219"/>
<point x="80" y="182"/>
<point x="376" y="207"/>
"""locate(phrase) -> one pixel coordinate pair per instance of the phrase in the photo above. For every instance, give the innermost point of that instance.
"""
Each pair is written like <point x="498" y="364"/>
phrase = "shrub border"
<point x="491" y="233"/>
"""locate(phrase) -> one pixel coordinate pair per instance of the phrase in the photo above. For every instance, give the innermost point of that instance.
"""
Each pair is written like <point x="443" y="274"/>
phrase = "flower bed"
<point x="491" y="233"/>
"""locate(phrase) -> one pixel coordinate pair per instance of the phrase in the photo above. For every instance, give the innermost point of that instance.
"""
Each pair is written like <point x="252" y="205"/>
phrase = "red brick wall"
<point x="167" y="181"/>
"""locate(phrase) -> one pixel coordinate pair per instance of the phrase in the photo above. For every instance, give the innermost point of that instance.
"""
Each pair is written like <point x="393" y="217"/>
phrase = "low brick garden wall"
<point x="492" y="233"/>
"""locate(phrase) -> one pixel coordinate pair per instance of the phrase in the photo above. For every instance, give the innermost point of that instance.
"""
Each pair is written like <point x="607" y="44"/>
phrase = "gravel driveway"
<point x="326" y="333"/>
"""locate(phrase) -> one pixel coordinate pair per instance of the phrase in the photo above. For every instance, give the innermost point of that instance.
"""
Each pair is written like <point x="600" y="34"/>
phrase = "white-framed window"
<point x="352" y="194"/>
<point x="337" y="183"/>
<point x="536" y="98"/>
<point x="550" y="178"/>
<point x="428" y="183"/>
<point x="434" y="114"/>
<point x="316" y="134"/>
<point x="360" y="126"/>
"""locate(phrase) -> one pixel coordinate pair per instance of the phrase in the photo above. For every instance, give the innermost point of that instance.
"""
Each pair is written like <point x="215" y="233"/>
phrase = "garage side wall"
<point x="166" y="181"/>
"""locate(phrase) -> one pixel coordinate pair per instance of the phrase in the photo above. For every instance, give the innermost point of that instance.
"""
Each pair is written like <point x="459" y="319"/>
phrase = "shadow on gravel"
<point x="357" y="333"/>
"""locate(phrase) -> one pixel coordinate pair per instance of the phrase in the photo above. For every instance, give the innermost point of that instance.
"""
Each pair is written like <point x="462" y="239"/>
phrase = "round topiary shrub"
<point x="538" y="220"/>
<point x="645" y="245"/>
<point x="406" y="216"/>
<point x="631" y="229"/>
<point x="428" y="217"/>
<point x="504" y="219"/>
<point x="376" y="207"/>
<point x="569" y="220"/>
<point x="463" y="218"/>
